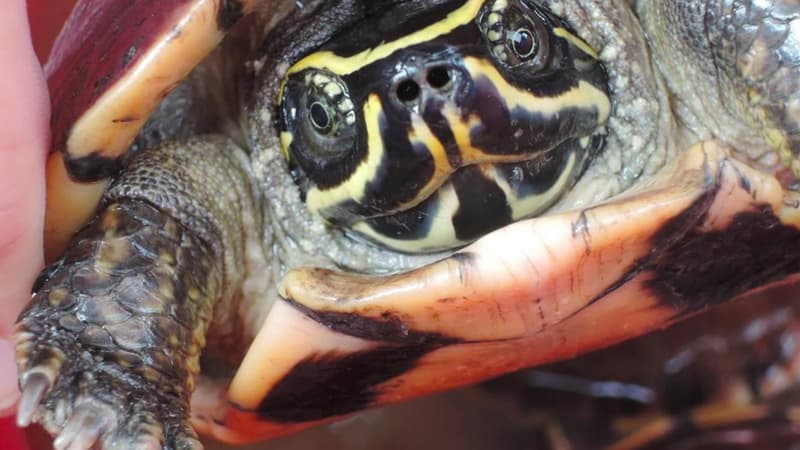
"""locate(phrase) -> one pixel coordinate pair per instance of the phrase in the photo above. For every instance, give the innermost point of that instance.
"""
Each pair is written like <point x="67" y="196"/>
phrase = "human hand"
<point x="24" y="118"/>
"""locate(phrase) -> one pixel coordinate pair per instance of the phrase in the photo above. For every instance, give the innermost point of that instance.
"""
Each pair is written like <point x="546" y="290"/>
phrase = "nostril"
<point x="407" y="91"/>
<point x="438" y="77"/>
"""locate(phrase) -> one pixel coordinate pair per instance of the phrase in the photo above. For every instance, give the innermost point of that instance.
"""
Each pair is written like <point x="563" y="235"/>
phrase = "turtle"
<point x="263" y="216"/>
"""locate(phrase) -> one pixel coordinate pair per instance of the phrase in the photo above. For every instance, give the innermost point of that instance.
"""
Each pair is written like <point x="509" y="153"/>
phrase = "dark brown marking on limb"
<point x="388" y="328"/>
<point x="538" y="302"/>
<point x="229" y="13"/>
<point x="708" y="268"/>
<point x="333" y="384"/>
<point x="125" y="119"/>
<point x="672" y="232"/>
<point x="581" y="227"/>
<point x="464" y="260"/>
<point x="92" y="167"/>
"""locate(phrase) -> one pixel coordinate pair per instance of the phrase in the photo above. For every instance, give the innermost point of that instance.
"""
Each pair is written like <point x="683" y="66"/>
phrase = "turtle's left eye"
<point x="523" y="42"/>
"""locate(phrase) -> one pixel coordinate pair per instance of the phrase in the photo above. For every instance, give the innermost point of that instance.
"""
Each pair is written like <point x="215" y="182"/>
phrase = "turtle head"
<point x="466" y="118"/>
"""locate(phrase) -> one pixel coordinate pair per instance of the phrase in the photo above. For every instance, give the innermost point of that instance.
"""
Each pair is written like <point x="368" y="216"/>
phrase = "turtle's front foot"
<point x="108" y="348"/>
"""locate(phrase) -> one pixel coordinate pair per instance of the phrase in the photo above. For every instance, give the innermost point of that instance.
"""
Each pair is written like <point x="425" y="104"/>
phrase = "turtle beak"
<point x="705" y="230"/>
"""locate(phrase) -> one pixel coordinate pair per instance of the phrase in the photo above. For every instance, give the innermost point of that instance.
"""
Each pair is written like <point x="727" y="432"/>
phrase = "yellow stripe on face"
<point x="347" y="65"/>
<point x="576" y="41"/>
<point x="420" y="134"/>
<point x="462" y="130"/>
<point x="441" y="228"/>
<point x="286" y="139"/>
<point x="525" y="206"/>
<point x="367" y="171"/>
<point x="584" y="95"/>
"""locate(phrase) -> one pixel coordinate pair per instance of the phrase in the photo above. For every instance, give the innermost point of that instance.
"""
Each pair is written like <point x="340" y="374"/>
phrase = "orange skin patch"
<point x="534" y="292"/>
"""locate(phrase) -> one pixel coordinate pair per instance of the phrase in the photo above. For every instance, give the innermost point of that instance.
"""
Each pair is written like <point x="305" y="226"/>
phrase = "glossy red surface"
<point x="11" y="437"/>
<point x="97" y="47"/>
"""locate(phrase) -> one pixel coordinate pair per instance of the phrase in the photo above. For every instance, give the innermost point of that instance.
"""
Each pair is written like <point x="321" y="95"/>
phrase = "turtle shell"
<point x="108" y="70"/>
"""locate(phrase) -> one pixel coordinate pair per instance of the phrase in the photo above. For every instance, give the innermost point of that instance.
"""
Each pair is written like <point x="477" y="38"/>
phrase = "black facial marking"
<point x="387" y="24"/>
<point x="532" y="131"/>
<point x="92" y="167"/>
<point x="447" y="86"/>
<point x="537" y="175"/>
<point x="414" y="223"/>
<point x="482" y="205"/>
<point x="440" y="128"/>
<point x="404" y="169"/>
<point x="229" y="13"/>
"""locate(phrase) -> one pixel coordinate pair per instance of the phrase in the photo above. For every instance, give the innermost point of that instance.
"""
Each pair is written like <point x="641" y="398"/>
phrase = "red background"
<point x="46" y="17"/>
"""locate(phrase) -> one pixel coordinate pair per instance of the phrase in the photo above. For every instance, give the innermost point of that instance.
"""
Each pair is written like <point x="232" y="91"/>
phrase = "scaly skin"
<point x="116" y="333"/>
<point x="732" y="66"/>
<point x="112" y="339"/>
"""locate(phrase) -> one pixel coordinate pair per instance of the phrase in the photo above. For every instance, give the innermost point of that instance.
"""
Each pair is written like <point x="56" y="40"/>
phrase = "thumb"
<point x="23" y="141"/>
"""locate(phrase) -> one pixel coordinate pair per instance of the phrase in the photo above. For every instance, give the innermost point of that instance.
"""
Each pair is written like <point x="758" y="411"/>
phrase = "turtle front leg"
<point x="110" y="344"/>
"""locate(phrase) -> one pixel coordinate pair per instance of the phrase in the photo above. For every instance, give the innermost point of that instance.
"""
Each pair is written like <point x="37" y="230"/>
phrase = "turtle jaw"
<point x="530" y="293"/>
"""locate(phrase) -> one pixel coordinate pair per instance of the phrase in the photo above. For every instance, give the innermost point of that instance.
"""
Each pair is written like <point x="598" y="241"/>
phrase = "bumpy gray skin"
<point x="193" y="236"/>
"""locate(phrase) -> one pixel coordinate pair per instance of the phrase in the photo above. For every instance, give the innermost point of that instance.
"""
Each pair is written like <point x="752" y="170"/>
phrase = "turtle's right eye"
<point x="320" y="117"/>
<point x="318" y="125"/>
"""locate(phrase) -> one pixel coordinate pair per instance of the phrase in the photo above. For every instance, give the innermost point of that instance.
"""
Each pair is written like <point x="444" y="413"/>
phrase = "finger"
<point x="23" y="141"/>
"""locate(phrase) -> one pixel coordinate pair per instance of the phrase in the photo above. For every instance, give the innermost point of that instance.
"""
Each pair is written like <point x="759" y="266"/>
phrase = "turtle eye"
<point x="517" y="34"/>
<point x="320" y="118"/>
<point x="318" y="126"/>
<point x="523" y="42"/>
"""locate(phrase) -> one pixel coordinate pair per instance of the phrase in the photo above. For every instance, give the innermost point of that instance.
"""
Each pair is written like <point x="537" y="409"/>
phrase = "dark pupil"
<point x="523" y="42"/>
<point x="319" y="116"/>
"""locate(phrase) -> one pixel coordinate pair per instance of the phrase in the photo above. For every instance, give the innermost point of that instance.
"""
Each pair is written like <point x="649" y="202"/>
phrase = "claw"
<point x="34" y="386"/>
<point x="81" y="431"/>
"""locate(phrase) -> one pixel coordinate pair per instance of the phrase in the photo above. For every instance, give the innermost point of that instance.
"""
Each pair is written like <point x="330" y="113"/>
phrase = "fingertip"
<point x="9" y="390"/>
<point x="24" y="121"/>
